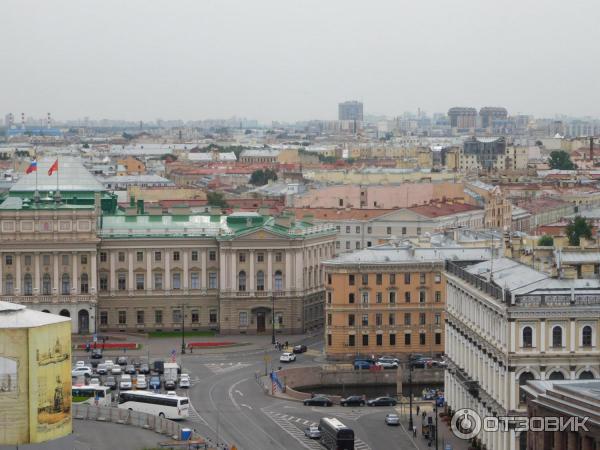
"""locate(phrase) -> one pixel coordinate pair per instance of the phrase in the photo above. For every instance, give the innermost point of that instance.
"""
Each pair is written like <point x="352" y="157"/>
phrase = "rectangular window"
<point x="337" y="244"/>
<point x="122" y="281"/>
<point x="403" y="230"/>
<point x="278" y="257"/>
<point x="438" y="296"/>
<point x="338" y="228"/>
<point x="379" y="279"/>
<point x="243" y="319"/>
<point x="158" y="280"/>
<point x="242" y="257"/>
<point x="83" y="259"/>
<point x="357" y="245"/>
<point x="438" y="318"/>
<point x="348" y="229"/>
<point x="329" y="340"/>
<point x="379" y="339"/>
<point x="46" y="260"/>
<point x="392" y="319"/>
<point x="140" y="317"/>
<point x="103" y="257"/>
<point x="438" y="277"/>
<point x="369" y="244"/>
<point x="351" y="298"/>
<point x="422" y="318"/>
<point x="157" y="256"/>
<point x="365" y="320"/>
<point x="407" y="297"/>
<point x="392" y="278"/>
<point x="212" y="255"/>
<point x="120" y="257"/>
<point x="365" y="279"/>
<point x="103" y="282"/>
<point x="357" y="230"/>
<point x="8" y="259"/>
<point x="365" y="298"/>
<point x="139" y="256"/>
<point x="328" y="278"/>
<point x="365" y="340"/>
<point x="195" y="316"/>
<point x="418" y="231"/>
<point x="369" y="230"/>
<point x="212" y="280"/>
<point x="422" y="278"/>
<point x="388" y="230"/>
<point x="329" y="298"/>
<point x="260" y="257"/>
<point x="212" y="316"/>
<point x="176" y="281"/>
<point x="351" y="280"/>
<point x="176" y="256"/>
<point x="378" y="319"/>
<point x="422" y="338"/>
<point x="406" y="318"/>
<point x="176" y="316"/>
<point x="347" y="245"/>
<point x="406" y="338"/>
<point x="329" y="319"/>
<point x="438" y="338"/>
<point x="158" y="316"/>
<point x="27" y="260"/>
<point x="351" y="340"/>
<point x="194" y="280"/>
<point x="103" y="317"/>
<point x="392" y="339"/>
<point x="407" y="278"/>
<point x="194" y="255"/>
<point x="392" y="297"/>
<point x="350" y="320"/>
<point x="122" y="317"/>
<point x="139" y="281"/>
<point x="65" y="260"/>
<point x="422" y="296"/>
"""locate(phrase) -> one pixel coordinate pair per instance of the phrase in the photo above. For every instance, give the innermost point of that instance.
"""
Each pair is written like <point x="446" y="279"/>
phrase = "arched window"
<point x="242" y="281"/>
<point x="27" y="284"/>
<point x="586" y="375"/>
<point x="84" y="283"/>
<point x="527" y="337"/>
<point x="9" y="286"/>
<point x="556" y="375"/>
<point x="46" y="284"/>
<point x="260" y="280"/>
<point x="586" y="336"/>
<point x="66" y="284"/>
<point x="557" y="337"/>
<point x="523" y="379"/>
<point x="278" y="281"/>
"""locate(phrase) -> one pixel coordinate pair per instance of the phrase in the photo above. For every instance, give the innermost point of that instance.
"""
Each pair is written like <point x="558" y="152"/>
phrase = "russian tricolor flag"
<point x="32" y="167"/>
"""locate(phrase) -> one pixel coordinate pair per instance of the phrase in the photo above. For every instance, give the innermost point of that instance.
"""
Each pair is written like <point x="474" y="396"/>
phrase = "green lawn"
<point x="166" y="334"/>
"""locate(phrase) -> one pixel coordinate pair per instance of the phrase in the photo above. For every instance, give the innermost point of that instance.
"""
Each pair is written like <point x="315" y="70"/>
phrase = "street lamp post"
<point x="273" y="319"/>
<point x="182" y="329"/>
<point x="410" y="416"/>
<point x="436" y="424"/>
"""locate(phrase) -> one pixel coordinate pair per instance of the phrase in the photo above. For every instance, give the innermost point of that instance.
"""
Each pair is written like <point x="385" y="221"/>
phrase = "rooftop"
<point x="443" y="209"/>
<point x="13" y="315"/>
<point x="71" y="175"/>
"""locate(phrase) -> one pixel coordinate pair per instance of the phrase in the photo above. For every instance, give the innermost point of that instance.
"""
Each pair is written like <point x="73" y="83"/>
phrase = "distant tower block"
<point x="23" y="120"/>
<point x="49" y="121"/>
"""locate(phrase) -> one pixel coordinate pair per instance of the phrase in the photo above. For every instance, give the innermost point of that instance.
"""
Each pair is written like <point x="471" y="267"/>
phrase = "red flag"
<point x="53" y="168"/>
<point x="32" y="167"/>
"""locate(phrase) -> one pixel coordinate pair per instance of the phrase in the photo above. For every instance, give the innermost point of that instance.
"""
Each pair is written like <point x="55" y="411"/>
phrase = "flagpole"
<point x="36" y="195"/>
<point x="57" y="187"/>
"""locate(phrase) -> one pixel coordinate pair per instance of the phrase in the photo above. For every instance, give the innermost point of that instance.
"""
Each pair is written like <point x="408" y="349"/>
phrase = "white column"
<point x="299" y="270"/>
<point x="269" y="270"/>
<point x="75" y="276"/>
<point x="203" y="284"/>
<point x="542" y="343"/>
<point x="1" y="274"/>
<point x="55" y="282"/>
<point x="130" y="276"/>
<point x="573" y="337"/>
<point x="113" y="274"/>
<point x="252" y="274"/>
<point x="167" y="270"/>
<point x="223" y="269"/>
<point x="513" y="390"/>
<point x="18" y="274"/>
<point x="36" y="274"/>
<point x="186" y="269"/>
<point x="287" y="274"/>
<point x="94" y="275"/>
<point x="149" y="280"/>
<point x="512" y="337"/>
<point x="233" y="270"/>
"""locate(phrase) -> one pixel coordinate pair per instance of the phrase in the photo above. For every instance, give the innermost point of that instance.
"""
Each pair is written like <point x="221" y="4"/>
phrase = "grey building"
<point x="350" y="110"/>
<point x="490" y="114"/>
<point x="485" y="150"/>
<point x="461" y="117"/>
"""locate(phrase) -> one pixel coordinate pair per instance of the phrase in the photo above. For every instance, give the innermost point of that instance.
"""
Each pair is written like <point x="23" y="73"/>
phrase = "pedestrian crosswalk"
<point x="346" y="413"/>
<point x="224" y="367"/>
<point x="294" y="426"/>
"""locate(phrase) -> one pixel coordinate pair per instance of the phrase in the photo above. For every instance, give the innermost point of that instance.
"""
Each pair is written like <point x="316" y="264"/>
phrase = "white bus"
<point x="93" y="395"/>
<point x="167" y="406"/>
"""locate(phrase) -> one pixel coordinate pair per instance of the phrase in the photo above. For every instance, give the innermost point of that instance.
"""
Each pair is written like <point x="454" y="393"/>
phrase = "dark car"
<point x="170" y="385"/>
<point x="158" y="367"/>
<point x="122" y="361"/>
<point x="145" y="369"/>
<point x="111" y="382"/>
<point x="382" y="401"/>
<point x="353" y="400"/>
<point x="130" y="369"/>
<point x="364" y="365"/>
<point x="318" y="400"/>
<point x="300" y="348"/>
<point x="154" y="383"/>
<point x="96" y="354"/>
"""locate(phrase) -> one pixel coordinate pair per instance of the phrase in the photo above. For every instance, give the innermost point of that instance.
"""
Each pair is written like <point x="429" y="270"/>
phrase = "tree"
<point x="559" y="159"/>
<point x="86" y="145"/>
<point x="216" y="198"/>
<point x="577" y="228"/>
<point x="546" y="241"/>
<point x="261" y="177"/>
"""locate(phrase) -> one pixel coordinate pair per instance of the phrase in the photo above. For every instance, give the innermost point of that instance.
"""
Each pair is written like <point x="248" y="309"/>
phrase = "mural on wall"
<point x="50" y="381"/>
<point x="8" y="375"/>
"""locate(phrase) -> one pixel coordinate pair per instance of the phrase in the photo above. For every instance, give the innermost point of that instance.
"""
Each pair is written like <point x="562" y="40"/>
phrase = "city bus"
<point x="92" y="395"/>
<point x="335" y="435"/>
<point x="167" y="406"/>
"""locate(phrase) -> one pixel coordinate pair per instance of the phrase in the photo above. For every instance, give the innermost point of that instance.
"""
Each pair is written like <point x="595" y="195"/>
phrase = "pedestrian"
<point x="423" y="415"/>
<point x="286" y="345"/>
<point x="418" y="410"/>
<point x="414" y="430"/>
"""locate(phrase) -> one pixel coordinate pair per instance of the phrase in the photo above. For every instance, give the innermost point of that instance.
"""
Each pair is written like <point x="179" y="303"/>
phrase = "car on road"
<point x="392" y="419"/>
<point x="82" y="370"/>
<point x="184" y="381"/>
<point x="312" y="432"/>
<point x="170" y="385"/>
<point x="80" y="364"/>
<point x="389" y="358"/>
<point x="95" y="382"/>
<point x="287" y="357"/>
<point x="154" y="383"/>
<point x="299" y="348"/>
<point x="158" y="367"/>
<point x="318" y="400"/>
<point x="145" y="369"/>
<point x="102" y="369"/>
<point x="362" y="365"/>
<point x="421" y="363"/>
<point x="125" y="382"/>
<point x="353" y="400"/>
<point x="122" y="361"/>
<point x="382" y="401"/>
<point x="111" y="382"/>
<point x="387" y="364"/>
<point x="116" y="370"/>
<point x="96" y="354"/>
<point x="140" y="382"/>
<point x="109" y="363"/>
<point x="130" y="369"/>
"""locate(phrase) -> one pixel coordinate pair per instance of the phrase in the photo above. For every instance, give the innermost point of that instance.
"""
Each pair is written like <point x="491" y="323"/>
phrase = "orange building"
<point x="388" y="300"/>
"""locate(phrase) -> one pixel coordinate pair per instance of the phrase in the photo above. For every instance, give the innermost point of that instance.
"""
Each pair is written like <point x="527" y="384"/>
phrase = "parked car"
<point x="154" y="383"/>
<point x="140" y="382"/>
<point x="145" y="369"/>
<point x="159" y="367"/>
<point x="387" y="364"/>
<point x="392" y="419"/>
<point x="116" y="370"/>
<point x="95" y="382"/>
<point x="318" y="400"/>
<point x="363" y="365"/>
<point x="111" y="382"/>
<point x="184" y="381"/>
<point x="96" y="353"/>
<point x="170" y="385"/>
<point x="382" y="401"/>
<point x="122" y="361"/>
<point x="300" y="348"/>
<point x="94" y="363"/>
<point x="130" y="369"/>
<point x="82" y="370"/>
<point x="109" y="363"/>
<point x="353" y="400"/>
<point x="421" y="363"/>
<point x="389" y="358"/>
<point x="312" y="432"/>
<point x="80" y="364"/>
<point x="287" y="357"/>
<point x="125" y="382"/>
<point x="102" y="369"/>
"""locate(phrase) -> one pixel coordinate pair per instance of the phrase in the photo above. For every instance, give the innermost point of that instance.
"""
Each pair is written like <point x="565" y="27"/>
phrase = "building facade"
<point x="350" y="110"/>
<point x="507" y="324"/>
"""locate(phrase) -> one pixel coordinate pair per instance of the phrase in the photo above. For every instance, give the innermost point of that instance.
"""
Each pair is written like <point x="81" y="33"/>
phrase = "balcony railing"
<point x="478" y="282"/>
<point x="49" y="299"/>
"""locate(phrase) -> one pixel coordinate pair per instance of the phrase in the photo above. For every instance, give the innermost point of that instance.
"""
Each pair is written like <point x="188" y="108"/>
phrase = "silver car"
<point x="392" y="419"/>
<point x="312" y="432"/>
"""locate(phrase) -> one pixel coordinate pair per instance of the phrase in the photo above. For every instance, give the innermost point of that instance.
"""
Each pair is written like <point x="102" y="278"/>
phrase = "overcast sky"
<point x="295" y="60"/>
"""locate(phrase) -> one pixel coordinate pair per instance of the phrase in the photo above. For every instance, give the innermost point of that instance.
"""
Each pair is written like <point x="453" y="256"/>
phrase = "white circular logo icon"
<point x="466" y="424"/>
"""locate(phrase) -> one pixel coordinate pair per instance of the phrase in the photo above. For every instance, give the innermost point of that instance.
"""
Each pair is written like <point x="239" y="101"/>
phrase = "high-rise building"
<point x="350" y="110"/>
<point x="463" y="118"/>
<point x="489" y="114"/>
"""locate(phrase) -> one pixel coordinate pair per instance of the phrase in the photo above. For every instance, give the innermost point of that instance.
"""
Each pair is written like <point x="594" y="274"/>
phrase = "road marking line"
<point x="230" y="392"/>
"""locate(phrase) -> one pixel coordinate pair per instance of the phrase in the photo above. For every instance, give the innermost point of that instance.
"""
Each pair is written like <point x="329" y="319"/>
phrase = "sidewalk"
<point x="445" y="435"/>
